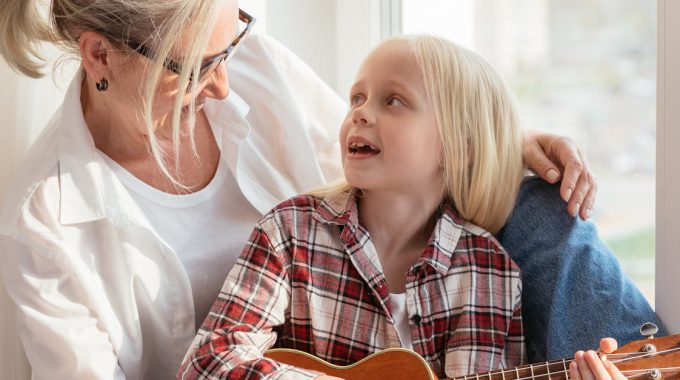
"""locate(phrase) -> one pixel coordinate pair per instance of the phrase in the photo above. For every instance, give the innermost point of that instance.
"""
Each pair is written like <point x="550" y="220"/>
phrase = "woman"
<point x="136" y="200"/>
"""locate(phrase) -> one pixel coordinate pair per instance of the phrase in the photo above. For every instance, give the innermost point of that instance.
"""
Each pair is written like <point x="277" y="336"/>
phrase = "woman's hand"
<point x="590" y="366"/>
<point x="555" y="157"/>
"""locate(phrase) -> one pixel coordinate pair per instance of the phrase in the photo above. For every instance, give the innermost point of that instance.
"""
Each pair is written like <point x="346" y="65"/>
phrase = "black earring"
<point x="102" y="85"/>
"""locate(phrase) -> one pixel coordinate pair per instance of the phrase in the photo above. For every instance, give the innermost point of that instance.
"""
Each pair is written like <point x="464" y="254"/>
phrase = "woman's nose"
<point x="218" y="83"/>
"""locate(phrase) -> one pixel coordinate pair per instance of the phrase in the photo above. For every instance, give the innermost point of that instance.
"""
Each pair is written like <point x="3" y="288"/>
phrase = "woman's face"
<point x="127" y="90"/>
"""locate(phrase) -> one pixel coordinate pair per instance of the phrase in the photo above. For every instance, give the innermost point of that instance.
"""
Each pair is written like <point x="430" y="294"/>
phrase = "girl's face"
<point x="390" y="139"/>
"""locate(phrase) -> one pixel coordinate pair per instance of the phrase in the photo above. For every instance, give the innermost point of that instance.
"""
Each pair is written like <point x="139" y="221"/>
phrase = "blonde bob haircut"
<point x="482" y="164"/>
<point x="159" y="25"/>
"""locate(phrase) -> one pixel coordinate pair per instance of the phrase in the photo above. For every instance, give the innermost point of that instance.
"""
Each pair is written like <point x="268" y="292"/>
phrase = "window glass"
<point x="582" y="68"/>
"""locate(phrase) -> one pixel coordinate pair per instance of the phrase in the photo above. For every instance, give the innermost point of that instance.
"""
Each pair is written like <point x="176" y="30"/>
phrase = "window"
<point x="585" y="69"/>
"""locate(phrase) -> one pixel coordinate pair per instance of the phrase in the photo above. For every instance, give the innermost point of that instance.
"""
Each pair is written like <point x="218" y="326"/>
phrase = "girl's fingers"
<point x="574" y="371"/>
<point x="583" y="366"/>
<point x="596" y="365"/>
<point x="613" y="371"/>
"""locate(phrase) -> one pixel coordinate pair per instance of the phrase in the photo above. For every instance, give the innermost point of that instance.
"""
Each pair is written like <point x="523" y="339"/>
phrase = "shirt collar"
<point x="341" y="208"/>
<point x="231" y="118"/>
<point x="80" y="169"/>
<point x="89" y="188"/>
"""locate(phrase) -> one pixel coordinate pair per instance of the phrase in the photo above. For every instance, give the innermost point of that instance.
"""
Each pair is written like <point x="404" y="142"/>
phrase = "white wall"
<point x="668" y="164"/>
<point x="332" y="36"/>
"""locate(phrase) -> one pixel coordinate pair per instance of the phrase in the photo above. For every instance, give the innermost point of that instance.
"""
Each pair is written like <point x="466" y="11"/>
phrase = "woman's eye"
<point x="394" y="101"/>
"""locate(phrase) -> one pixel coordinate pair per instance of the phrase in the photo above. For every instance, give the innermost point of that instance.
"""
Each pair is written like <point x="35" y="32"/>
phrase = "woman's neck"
<point x="122" y="136"/>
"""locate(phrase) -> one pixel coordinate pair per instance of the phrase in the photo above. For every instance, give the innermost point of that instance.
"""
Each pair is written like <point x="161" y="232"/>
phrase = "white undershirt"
<point x="207" y="229"/>
<point x="400" y="315"/>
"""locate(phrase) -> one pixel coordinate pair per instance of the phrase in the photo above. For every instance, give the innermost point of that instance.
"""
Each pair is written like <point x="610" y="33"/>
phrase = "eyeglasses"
<point x="210" y="66"/>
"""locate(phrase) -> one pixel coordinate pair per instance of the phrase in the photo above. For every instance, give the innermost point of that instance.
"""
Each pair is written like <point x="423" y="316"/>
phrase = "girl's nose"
<point x="362" y="115"/>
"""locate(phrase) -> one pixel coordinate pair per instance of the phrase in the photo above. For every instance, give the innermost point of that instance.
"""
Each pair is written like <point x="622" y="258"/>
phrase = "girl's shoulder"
<point x="471" y="240"/>
<point x="308" y="217"/>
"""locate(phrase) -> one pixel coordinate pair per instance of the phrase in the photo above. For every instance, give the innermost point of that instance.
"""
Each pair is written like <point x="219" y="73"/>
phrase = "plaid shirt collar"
<point x="342" y="209"/>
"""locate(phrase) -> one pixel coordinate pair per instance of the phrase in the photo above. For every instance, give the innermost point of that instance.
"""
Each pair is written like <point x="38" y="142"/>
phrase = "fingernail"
<point x="567" y="195"/>
<point x="588" y="210"/>
<point x="577" y="206"/>
<point x="552" y="175"/>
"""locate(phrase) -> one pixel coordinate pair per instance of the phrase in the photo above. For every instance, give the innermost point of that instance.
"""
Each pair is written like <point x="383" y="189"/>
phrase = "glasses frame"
<point x="214" y="62"/>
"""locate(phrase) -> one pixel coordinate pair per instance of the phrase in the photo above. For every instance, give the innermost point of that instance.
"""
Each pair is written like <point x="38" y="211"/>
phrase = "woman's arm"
<point x="555" y="158"/>
<point x="60" y="331"/>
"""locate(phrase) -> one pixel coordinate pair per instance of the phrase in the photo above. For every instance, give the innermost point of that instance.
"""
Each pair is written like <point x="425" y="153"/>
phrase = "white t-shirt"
<point x="400" y="315"/>
<point x="207" y="229"/>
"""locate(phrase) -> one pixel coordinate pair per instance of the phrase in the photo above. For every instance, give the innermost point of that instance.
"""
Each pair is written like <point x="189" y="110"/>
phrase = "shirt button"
<point x="416" y="319"/>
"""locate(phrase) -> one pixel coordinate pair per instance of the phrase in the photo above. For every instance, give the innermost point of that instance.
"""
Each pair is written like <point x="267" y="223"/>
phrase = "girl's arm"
<point x="240" y="326"/>
<point x="514" y="353"/>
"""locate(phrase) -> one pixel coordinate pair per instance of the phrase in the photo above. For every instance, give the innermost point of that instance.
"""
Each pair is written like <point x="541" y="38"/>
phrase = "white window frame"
<point x="667" y="164"/>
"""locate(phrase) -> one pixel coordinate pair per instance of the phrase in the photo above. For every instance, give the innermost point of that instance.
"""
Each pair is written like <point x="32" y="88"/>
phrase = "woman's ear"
<point x="95" y="52"/>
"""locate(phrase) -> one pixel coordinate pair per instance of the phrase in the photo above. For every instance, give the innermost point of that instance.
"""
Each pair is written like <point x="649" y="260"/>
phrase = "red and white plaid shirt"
<point x="310" y="279"/>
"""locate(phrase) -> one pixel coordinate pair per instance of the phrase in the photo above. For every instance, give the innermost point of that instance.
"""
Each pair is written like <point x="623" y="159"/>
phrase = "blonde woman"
<point x="431" y="151"/>
<point x="135" y="202"/>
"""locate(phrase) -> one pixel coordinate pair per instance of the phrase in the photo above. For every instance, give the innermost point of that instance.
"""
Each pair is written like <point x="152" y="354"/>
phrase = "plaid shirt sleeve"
<point x="514" y="352"/>
<point x="239" y="327"/>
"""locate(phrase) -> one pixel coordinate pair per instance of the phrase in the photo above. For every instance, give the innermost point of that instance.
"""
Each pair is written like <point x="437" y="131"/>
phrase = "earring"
<point x="102" y="85"/>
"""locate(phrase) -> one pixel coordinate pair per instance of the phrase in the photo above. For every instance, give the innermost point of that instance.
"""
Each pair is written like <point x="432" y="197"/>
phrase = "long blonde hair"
<point x="481" y="137"/>
<point x="159" y="25"/>
<point x="477" y="118"/>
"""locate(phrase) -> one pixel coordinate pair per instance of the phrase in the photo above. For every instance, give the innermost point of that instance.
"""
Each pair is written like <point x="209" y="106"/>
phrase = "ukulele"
<point x="646" y="359"/>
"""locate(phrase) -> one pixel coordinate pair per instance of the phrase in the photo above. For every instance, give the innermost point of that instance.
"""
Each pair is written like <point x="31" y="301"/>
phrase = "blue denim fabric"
<point x="574" y="291"/>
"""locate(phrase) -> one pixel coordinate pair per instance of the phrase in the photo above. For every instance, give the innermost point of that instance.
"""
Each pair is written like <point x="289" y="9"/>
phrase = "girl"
<point x="400" y="256"/>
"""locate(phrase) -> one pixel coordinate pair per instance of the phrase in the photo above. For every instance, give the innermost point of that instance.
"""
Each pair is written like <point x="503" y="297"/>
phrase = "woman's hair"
<point x="158" y="25"/>
<point x="480" y="133"/>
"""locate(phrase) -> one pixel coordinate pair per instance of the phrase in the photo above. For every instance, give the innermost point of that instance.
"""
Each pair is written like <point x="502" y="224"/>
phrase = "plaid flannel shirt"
<point x="310" y="279"/>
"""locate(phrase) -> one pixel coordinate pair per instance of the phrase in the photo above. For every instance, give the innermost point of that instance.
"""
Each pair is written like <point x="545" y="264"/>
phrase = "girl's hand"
<point x="589" y="366"/>
<point x="555" y="157"/>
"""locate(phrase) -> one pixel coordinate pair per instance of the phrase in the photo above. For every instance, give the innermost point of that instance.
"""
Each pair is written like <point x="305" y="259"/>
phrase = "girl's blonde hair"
<point x="158" y="25"/>
<point x="477" y="118"/>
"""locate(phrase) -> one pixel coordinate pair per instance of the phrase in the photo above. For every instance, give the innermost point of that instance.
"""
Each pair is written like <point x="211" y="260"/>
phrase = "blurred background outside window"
<point x="582" y="68"/>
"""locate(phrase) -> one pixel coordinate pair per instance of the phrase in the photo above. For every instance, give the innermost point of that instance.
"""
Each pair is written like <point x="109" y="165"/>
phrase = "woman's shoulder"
<point x="34" y="190"/>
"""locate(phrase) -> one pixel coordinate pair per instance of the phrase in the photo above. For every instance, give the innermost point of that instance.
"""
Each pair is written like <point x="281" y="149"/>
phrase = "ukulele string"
<point x="636" y="356"/>
<point x="626" y="357"/>
<point x="627" y="373"/>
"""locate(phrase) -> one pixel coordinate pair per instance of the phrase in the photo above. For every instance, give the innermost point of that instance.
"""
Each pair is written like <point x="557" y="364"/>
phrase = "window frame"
<point x="667" y="154"/>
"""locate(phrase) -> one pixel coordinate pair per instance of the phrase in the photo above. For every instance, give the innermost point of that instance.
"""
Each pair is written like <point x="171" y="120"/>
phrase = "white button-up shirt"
<point x="99" y="295"/>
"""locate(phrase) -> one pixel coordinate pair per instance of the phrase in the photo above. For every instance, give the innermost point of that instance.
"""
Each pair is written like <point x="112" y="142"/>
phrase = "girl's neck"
<point x="400" y="225"/>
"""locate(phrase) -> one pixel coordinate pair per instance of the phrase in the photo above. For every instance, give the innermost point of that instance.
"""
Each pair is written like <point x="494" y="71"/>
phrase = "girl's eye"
<point x="394" y="101"/>
<point x="356" y="100"/>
